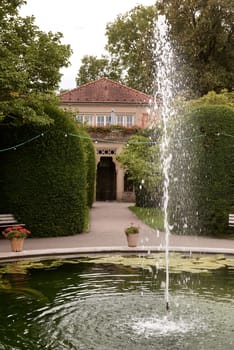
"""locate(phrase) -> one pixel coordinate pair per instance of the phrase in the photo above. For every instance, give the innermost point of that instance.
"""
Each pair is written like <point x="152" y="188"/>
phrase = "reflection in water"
<point x="105" y="306"/>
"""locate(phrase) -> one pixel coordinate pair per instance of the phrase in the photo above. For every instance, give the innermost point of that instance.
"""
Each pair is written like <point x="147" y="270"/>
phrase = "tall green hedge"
<point x="44" y="182"/>
<point x="202" y="170"/>
<point x="91" y="169"/>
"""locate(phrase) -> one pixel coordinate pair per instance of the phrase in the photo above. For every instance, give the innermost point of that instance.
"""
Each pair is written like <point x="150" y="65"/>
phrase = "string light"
<point x="95" y="140"/>
<point x="191" y="138"/>
<point x="21" y="144"/>
<point x="228" y="135"/>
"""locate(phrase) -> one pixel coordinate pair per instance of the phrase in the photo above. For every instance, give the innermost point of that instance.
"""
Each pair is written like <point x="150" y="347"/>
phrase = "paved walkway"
<point x="106" y="234"/>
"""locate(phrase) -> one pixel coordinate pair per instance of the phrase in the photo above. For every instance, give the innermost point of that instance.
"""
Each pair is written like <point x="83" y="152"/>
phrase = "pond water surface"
<point x="107" y="307"/>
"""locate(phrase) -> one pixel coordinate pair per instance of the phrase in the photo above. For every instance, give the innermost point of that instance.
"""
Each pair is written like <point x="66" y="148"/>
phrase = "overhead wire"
<point x="97" y="140"/>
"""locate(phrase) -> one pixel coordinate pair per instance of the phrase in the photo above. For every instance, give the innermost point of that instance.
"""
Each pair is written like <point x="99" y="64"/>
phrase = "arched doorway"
<point x="106" y="180"/>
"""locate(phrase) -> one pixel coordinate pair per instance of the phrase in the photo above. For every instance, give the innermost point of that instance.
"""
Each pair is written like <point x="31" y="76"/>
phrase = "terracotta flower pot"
<point x="132" y="239"/>
<point x="17" y="244"/>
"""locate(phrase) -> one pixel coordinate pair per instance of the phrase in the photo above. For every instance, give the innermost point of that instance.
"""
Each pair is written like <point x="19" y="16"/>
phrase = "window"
<point x="88" y="119"/>
<point x="106" y="151"/>
<point x="100" y="120"/>
<point x="104" y="120"/>
<point x="129" y="120"/>
<point x="120" y="119"/>
<point x="84" y="119"/>
<point x="79" y="118"/>
<point x="108" y="120"/>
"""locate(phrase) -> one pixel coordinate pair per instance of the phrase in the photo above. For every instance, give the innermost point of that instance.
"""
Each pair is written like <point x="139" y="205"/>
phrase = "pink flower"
<point x="15" y="232"/>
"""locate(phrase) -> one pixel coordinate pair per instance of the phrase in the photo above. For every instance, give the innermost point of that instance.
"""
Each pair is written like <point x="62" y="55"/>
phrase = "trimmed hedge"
<point x="91" y="170"/>
<point x="44" y="183"/>
<point x="202" y="171"/>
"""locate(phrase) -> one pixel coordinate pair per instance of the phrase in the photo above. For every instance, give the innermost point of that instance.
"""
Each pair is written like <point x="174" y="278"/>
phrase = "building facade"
<point x="113" y="112"/>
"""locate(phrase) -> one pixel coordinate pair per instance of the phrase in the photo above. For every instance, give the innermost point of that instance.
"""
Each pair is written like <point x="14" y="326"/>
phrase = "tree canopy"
<point x="130" y="47"/>
<point x="212" y="98"/>
<point x="93" y="68"/>
<point x="30" y="62"/>
<point x="201" y="34"/>
<point x="140" y="159"/>
<point x="131" y="44"/>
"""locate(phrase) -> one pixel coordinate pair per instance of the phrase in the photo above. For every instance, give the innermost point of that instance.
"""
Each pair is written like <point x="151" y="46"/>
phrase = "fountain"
<point x="164" y="74"/>
<point x="116" y="303"/>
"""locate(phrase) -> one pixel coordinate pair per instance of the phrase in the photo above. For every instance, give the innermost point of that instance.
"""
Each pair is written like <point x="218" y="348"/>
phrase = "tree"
<point x="30" y="61"/>
<point x="130" y="48"/>
<point x="140" y="159"/>
<point x="212" y="98"/>
<point x="202" y="35"/>
<point x="93" y="68"/>
<point x="131" y="44"/>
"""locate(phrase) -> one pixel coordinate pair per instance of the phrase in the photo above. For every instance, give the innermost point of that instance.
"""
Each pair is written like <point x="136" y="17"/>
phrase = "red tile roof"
<point x="105" y="90"/>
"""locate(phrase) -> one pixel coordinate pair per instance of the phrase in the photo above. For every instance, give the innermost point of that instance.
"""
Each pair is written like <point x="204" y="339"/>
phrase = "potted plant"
<point x="132" y="234"/>
<point x="16" y="235"/>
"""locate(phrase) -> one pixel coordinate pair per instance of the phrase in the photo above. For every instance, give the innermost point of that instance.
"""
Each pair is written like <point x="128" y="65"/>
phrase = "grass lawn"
<point x="152" y="217"/>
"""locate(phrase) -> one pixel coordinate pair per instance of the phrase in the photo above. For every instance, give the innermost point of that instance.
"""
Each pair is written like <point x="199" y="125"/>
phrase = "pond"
<point x="91" y="304"/>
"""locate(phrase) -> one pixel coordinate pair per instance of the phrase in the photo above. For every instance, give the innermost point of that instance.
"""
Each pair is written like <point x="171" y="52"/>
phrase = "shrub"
<point x="202" y="172"/>
<point x="91" y="168"/>
<point x="44" y="182"/>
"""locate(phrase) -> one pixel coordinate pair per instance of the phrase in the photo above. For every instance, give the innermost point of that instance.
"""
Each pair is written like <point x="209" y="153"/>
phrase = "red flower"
<point x="15" y="231"/>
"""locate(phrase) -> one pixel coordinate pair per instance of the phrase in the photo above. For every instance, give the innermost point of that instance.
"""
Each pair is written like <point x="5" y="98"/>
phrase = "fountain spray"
<point x="164" y="58"/>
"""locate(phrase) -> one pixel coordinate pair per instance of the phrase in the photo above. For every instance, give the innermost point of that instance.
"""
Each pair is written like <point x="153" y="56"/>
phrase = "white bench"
<point x="7" y="220"/>
<point x="231" y="220"/>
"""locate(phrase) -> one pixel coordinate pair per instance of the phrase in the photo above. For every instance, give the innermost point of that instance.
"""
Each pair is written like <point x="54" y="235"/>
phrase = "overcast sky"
<point x="82" y="23"/>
